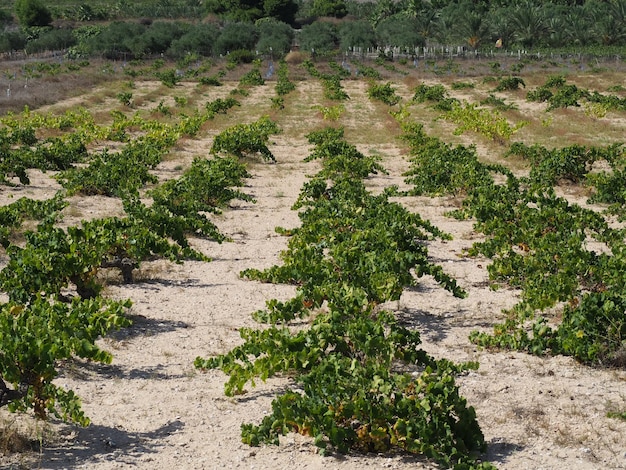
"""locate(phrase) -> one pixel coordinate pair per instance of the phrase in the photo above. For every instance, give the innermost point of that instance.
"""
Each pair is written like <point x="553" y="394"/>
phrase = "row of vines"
<point x="362" y="381"/>
<point x="52" y="276"/>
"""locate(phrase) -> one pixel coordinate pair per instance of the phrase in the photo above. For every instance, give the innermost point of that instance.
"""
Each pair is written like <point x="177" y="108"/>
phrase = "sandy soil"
<point x="150" y="409"/>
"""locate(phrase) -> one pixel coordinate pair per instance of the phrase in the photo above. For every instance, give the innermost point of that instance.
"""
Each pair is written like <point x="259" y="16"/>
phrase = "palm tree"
<point x="384" y="9"/>
<point x="529" y="21"/>
<point x="611" y="27"/>
<point x="424" y="14"/>
<point x="579" y="27"/>
<point x="474" y="29"/>
<point x="470" y="22"/>
<point x="501" y="24"/>
<point x="428" y="19"/>
<point x="446" y="30"/>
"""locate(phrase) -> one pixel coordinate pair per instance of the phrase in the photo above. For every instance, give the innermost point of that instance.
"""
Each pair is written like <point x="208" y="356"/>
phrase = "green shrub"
<point x="210" y="81"/>
<point x="53" y="40"/>
<point x="240" y="56"/>
<point x="169" y="77"/>
<point x="236" y="36"/>
<point x="335" y="8"/>
<point x="244" y="140"/>
<point x="199" y="39"/>
<point x="275" y="37"/>
<point x="399" y="31"/>
<point x="114" y="41"/>
<point x="462" y="85"/>
<point x="436" y="94"/>
<point x="12" y="41"/>
<point x="320" y="37"/>
<point x="32" y="13"/>
<point x="5" y="17"/>
<point x="284" y="86"/>
<point x="385" y="93"/>
<point x="252" y="78"/>
<point x="125" y="97"/>
<point x="509" y="83"/>
<point x="357" y="34"/>
<point x="157" y="38"/>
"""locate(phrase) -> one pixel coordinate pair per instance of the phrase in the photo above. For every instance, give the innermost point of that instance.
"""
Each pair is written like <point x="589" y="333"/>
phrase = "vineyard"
<point x="315" y="264"/>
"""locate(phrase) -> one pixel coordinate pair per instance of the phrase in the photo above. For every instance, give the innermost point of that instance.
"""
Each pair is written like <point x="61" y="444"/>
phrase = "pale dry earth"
<point x="150" y="409"/>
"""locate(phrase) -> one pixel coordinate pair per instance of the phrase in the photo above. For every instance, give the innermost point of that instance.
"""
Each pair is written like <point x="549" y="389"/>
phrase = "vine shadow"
<point x="433" y="327"/>
<point x="499" y="451"/>
<point x="85" y="370"/>
<point x="98" y="443"/>
<point x="144" y="326"/>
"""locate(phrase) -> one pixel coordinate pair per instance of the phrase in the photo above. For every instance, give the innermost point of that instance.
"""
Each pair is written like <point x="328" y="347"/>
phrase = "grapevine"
<point x="243" y="140"/>
<point x="352" y="252"/>
<point x="538" y="243"/>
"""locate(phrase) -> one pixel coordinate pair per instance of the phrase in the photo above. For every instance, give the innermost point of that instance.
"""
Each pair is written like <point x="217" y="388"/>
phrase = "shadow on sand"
<point x="103" y="443"/>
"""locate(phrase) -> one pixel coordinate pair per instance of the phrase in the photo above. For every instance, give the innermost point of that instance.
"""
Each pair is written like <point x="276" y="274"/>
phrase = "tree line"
<point x="179" y="27"/>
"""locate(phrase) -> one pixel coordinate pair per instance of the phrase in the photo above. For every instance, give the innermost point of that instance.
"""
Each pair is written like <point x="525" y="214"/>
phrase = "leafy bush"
<point x="399" y="31"/>
<point x="436" y="94"/>
<point x="592" y="330"/>
<point x="385" y="93"/>
<point x="125" y="98"/>
<point x="52" y="258"/>
<point x="206" y="186"/>
<point x="12" y="41"/>
<point x="275" y="37"/>
<point x="439" y="169"/>
<point x="20" y="150"/>
<point x="250" y="10"/>
<point x="332" y="113"/>
<point x="210" y="81"/>
<point x="115" y="173"/>
<point x="509" y="83"/>
<point x="497" y="103"/>
<point x="366" y="71"/>
<point x="32" y="13"/>
<point x="85" y="12"/>
<point x="157" y="38"/>
<point x="13" y="215"/>
<point x="53" y="40"/>
<point x="488" y="123"/>
<point x="169" y="77"/>
<point x="220" y="105"/>
<point x="5" y="17"/>
<point x="333" y="90"/>
<point x="284" y="86"/>
<point x="252" y="77"/>
<point x="539" y="95"/>
<point x="240" y="56"/>
<point x="281" y="10"/>
<point x="462" y="85"/>
<point x="565" y="96"/>
<point x="335" y="8"/>
<point x="37" y="337"/>
<point x="354" y="34"/>
<point x="246" y="139"/>
<point x="199" y="39"/>
<point x="319" y="37"/>
<point x="573" y="163"/>
<point x="557" y="93"/>
<point x="236" y="36"/>
<point x="114" y="41"/>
